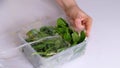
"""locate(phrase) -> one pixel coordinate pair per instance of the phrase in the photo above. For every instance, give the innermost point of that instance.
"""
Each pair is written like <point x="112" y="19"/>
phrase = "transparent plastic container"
<point x="56" y="60"/>
<point x="36" y="60"/>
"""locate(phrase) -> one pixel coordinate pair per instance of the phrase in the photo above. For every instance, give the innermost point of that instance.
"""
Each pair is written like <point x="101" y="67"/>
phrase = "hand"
<point x="79" y="20"/>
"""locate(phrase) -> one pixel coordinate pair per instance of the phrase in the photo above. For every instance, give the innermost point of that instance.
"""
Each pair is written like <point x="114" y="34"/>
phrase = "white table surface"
<point x="103" y="50"/>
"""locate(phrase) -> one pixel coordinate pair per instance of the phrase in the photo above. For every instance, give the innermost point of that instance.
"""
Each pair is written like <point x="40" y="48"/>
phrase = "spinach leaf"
<point x="32" y="35"/>
<point x="82" y="36"/>
<point x="61" y="23"/>
<point x="50" y="47"/>
<point x="75" y="38"/>
<point x="67" y="37"/>
<point x="48" y="30"/>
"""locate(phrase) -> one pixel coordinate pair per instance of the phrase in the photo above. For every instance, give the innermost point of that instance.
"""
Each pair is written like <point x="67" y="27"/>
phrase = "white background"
<point x="103" y="50"/>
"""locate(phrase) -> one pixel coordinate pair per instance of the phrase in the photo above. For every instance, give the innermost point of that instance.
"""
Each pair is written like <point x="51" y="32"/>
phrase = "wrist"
<point x="71" y="7"/>
<point x="67" y="4"/>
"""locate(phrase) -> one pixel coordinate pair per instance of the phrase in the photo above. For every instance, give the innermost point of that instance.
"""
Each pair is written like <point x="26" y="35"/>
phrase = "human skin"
<point x="79" y="20"/>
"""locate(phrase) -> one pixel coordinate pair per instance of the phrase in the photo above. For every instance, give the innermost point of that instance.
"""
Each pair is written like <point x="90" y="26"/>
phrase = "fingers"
<point x="79" y="20"/>
<point x="78" y="24"/>
<point x="88" y="25"/>
<point x="81" y="24"/>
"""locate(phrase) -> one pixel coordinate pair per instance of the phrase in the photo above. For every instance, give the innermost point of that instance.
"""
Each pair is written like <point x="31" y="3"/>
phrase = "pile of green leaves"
<point x="49" y="47"/>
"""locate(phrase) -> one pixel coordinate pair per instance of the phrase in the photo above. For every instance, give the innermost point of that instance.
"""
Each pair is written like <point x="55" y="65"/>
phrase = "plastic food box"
<point x="54" y="61"/>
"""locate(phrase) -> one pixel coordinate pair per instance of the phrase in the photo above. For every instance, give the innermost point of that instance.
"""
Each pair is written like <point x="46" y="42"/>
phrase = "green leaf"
<point x="39" y="46"/>
<point x="67" y="37"/>
<point x="50" y="53"/>
<point x="28" y="40"/>
<point x="42" y="34"/>
<point x="61" y="49"/>
<point x="60" y="30"/>
<point x="48" y="30"/>
<point x="41" y="53"/>
<point x="50" y="47"/>
<point x="32" y="33"/>
<point x="82" y="36"/>
<point x="57" y="43"/>
<point x="75" y="37"/>
<point x="61" y="23"/>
